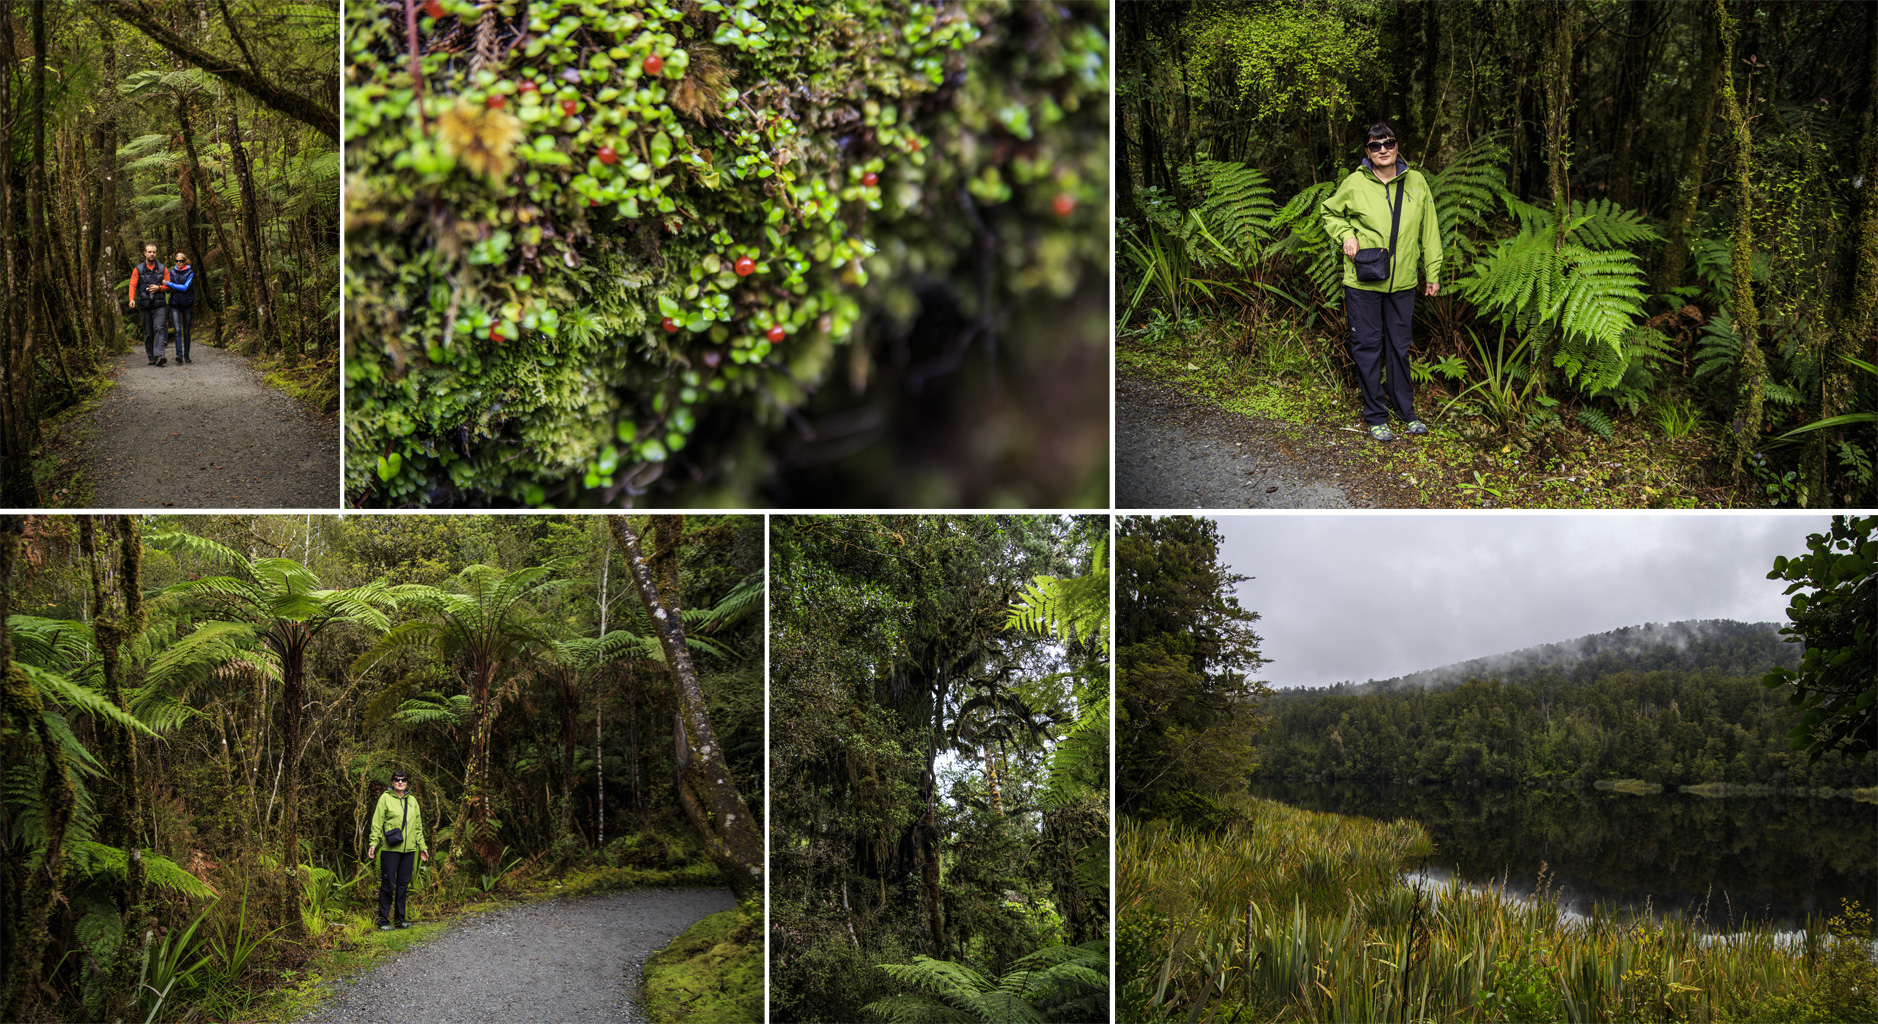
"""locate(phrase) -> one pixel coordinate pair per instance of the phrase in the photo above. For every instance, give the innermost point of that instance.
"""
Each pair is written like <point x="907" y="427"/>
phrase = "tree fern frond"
<point x="1602" y="224"/>
<point x="98" y="859"/>
<point x="1234" y="206"/>
<point x="1781" y="393"/>
<point x="56" y="688"/>
<point x="56" y="644"/>
<point x="1719" y="348"/>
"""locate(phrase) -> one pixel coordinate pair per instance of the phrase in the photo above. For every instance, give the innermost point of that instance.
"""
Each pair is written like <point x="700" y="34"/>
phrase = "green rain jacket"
<point x="388" y="815"/>
<point x="1359" y="209"/>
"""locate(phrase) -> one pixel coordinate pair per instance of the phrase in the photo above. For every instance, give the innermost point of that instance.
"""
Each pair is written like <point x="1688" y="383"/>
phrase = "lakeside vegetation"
<point x="1280" y="914"/>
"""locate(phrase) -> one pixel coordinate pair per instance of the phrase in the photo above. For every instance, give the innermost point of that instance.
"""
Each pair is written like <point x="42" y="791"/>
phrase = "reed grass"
<point x="1293" y="915"/>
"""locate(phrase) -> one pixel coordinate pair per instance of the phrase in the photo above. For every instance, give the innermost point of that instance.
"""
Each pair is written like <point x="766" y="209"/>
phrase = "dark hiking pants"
<point x="153" y="319"/>
<point x="1379" y="342"/>
<point x="394" y="878"/>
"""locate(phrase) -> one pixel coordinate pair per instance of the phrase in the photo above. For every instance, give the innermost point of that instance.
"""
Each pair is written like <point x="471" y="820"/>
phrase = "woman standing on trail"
<point x="1384" y="217"/>
<point x="399" y="824"/>
<point x="176" y="282"/>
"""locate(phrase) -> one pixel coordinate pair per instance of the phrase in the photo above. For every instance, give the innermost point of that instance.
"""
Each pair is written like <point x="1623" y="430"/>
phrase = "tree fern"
<point x="1056" y="983"/>
<point x="1067" y="608"/>
<point x="1469" y="190"/>
<point x="1306" y="240"/>
<point x="1234" y="205"/>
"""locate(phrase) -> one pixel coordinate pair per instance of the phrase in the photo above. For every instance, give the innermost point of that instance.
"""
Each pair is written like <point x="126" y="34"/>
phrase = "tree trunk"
<point x="1633" y="75"/>
<point x="293" y="642"/>
<point x="1558" y="88"/>
<point x="1694" y="159"/>
<point x="1748" y="394"/>
<point x="261" y="305"/>
<point x="1857" y="320"/>
<point x="731" y="836"/>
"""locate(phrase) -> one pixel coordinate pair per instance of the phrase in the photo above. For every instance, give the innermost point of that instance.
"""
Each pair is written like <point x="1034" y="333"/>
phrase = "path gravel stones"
<point x="1172" y="451"/>
<point x="563" y="961"/>
<point x="209" y="434"/>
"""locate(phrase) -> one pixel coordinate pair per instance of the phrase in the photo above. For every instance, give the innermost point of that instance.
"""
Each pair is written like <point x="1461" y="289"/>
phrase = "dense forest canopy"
<point x="939" y="831"/>
<point x="1722" y="645"/>
<point x="1667" y="212"/>
<point x="664" y="252"/>
<point x="200" y="711"/>
<point x="206" y="129"/>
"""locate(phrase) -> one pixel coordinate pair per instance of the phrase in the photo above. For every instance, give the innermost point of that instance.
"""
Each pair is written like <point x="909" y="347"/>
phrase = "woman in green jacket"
<point x="1383" y="197"/>
<point x="397" y="814"/>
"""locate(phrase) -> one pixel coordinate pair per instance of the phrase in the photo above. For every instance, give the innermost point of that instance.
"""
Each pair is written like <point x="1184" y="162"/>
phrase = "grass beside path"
<point x="1291" y="380"/>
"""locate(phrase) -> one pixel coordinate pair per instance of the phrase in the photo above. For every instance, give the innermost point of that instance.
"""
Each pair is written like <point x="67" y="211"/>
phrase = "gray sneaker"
<point x="1381" y="432"/>
<point x="1417" y="427"/>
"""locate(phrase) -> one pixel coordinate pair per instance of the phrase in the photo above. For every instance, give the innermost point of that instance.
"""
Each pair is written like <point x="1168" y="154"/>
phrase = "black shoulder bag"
<point x="395" y="836"/>
<point x="1379" y="264"/>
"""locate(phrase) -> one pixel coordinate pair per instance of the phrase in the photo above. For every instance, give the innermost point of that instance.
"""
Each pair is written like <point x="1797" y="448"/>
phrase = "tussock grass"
<point x="1292" y="915"/>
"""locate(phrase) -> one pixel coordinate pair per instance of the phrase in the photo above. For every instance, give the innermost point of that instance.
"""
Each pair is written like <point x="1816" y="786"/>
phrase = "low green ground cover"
<point x="713" y="972"/>
<point x="1472" y="459"/>
<point x="1270" y="913"/>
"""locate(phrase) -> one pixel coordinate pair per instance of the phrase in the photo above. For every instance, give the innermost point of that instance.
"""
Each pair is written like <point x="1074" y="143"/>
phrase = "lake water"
<point x="1754" y="860"/>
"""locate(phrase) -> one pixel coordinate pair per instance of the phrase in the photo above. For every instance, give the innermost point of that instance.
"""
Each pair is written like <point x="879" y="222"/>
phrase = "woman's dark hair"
<point x="1381" y="130"/>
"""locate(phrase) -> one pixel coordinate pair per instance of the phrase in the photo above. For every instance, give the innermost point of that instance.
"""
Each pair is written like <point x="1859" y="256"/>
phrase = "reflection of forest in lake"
<point x="1773" y="859"/>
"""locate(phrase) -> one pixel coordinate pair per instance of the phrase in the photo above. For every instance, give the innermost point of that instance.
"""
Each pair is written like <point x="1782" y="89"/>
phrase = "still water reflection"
<point x="1754" y="860"/>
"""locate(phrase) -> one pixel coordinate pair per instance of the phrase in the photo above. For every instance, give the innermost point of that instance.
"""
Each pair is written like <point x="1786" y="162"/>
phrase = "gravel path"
<point x="1172" y="451"/>
<point x="209" y="434"/>
<point x="556" y="962"/>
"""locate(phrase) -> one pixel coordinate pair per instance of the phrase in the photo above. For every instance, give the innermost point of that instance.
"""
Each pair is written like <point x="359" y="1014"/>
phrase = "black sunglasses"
<point x="1382" y="144"/>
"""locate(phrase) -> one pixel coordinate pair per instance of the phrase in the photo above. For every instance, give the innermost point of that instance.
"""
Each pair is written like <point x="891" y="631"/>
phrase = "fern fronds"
<point x="1781" y="393"/>
<point x="1234" y="204"/>
<point x="1599" y="423"/>
<point x="1720" y="346"/>
<point x="1602" y="224"/>
<point x="1470" y="188"/>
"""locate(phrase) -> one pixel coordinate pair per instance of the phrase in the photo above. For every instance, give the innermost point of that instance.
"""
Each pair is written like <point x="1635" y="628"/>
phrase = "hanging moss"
<point x="613" y="244"/>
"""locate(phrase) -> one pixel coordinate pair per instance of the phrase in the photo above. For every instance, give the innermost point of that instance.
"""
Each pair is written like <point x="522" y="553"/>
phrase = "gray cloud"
<point x="1355" y="597"/>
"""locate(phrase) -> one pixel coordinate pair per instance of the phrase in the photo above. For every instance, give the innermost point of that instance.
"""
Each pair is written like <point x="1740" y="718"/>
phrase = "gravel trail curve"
<point x="209" y="434"/>
<point x="561" y="961"/>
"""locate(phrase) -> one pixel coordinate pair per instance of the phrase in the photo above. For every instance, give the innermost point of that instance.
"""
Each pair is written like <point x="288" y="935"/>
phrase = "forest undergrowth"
<point x="1249" y="910"/>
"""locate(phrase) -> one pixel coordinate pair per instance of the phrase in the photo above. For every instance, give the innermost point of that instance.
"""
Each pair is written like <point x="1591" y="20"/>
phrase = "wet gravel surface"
<point x="209" y="434"/>
<point x="555" y="962"/>
<point x="1173" y="451"/>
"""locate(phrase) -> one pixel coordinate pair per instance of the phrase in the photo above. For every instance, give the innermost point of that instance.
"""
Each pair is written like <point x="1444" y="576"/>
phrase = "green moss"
<point x="711" y="972"/>
<point x="1635" y="787"/>
<point x="552" y="308"/>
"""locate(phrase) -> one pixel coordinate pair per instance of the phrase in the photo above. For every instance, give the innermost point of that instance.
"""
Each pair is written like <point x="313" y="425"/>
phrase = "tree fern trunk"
<point x="1748" y="396"/>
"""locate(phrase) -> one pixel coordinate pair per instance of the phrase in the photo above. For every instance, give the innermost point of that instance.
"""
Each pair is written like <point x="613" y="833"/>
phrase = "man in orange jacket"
<point x="146" y="297"/>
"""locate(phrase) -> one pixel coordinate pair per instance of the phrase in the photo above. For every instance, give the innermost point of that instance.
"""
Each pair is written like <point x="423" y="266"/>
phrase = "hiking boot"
<point x="404" y="924"/>
<point x="163" y="360"/>
<point x="1381" y="432"/>
<point x="186" y="359"/>
<point x="384" y="927"/>
<point x="1417" y="427"/>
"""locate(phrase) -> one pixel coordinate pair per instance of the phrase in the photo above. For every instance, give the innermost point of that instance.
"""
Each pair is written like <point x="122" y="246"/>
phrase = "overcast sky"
<point x="1356" y="597"/>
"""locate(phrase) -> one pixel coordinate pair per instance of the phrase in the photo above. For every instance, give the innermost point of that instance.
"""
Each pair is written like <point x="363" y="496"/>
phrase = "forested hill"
<point x="1719" y="645"/>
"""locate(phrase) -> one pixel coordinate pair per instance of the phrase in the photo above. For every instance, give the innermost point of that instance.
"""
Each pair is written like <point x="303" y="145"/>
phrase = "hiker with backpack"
<point x="1383" y="215"/>
<point x="398" y="823"/>
<point x="146" y="297"/>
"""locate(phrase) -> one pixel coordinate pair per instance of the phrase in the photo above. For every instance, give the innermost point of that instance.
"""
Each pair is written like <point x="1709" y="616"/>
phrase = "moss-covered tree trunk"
<point x="260" y="302"/>
<point x="731" y="836"/>
<point x="1749" y="398"/>
<point x="1694" y="156"/>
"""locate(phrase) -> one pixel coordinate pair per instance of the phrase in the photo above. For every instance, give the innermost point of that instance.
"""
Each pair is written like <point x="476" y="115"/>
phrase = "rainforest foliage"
<point x="1186" y="707"/>
<point x="201" y="711"/>
<point x="207" y="129"/>
<point x="629" y="240"/>
<point x="939" y="830"/>
<point x="1659" y="220"/>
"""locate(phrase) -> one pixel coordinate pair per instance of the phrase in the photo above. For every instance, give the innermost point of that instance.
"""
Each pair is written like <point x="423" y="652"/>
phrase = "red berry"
<point x="913" y="145"/>
<point x="745" y="266"/>
<point x="607" y="156"/>
<point x="593" y="202"/>
<point x="1064" y="204"/>
<point x="654" y="64"/>
<point x="527" y="86"/>
<point x="870" y="179"/>
<point x="433" y="8"/>
<point x="495" y="333"/>
<point x="776" y="334"/>
<point x="498" y="101"/>
<point x="670" y="325"/>
<point x="568" y="107"/>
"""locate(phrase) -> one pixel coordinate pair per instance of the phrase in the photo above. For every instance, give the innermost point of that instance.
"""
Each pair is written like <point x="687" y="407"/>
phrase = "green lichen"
<point x="711" y="972"/>
<point x="547" y="296"/>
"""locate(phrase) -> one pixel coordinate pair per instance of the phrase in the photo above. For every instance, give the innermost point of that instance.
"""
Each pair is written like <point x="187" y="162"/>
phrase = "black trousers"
<point x="1379" y="341"/>
<point x="394" y="878"/>
<point x="153" y="318"/>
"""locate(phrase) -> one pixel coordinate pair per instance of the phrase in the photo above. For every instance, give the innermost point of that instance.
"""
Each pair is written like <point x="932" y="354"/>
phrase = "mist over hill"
<point x="1720" y="645"/>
